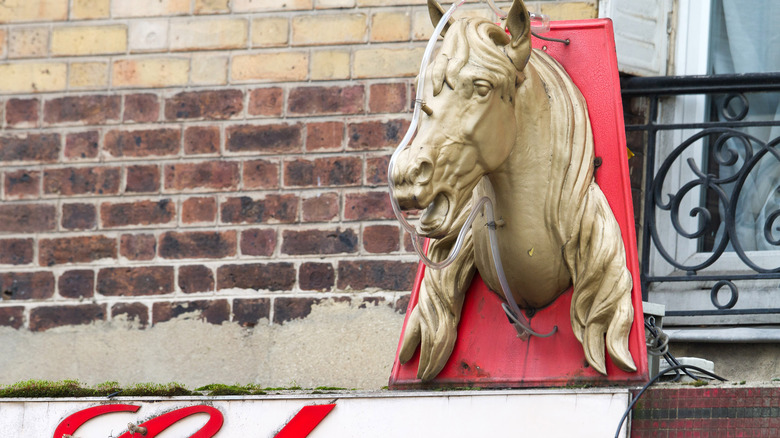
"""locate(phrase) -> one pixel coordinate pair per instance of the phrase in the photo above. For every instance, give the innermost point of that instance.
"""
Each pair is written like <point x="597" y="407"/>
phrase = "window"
<point x="714" y="216"/>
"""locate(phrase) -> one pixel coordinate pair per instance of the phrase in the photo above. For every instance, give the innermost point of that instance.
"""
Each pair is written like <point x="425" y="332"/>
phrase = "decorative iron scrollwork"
<point x="705" y="206"/>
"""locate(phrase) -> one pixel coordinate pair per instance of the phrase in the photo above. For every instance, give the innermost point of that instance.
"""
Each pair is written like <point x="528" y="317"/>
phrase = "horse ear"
<point x="519" y="24"/>
<point x="436" y="12"/>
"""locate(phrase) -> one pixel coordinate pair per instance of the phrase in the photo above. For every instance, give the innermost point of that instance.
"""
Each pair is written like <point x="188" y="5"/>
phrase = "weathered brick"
<point x="90" y="110"/>
<point x="26" y="285"/>
<point x="270" y="67"/>
<point x="211" y="6"/>
<point x="368" y="206"/>
<point x="22" y="184"/>
<point x="143" y="142"/>
<point x="269" y="5"/>
<point x="78" y="216"/>
<point x="12" y="317"/>
<point x="376" y="134"/>
<point x="325" y="4"/>
<point x="421" y="25"/>
<point x="265" y="139"/>
<point x="30" y="147"/>
<point x="90" y="9"/>
<point x="81" y="180"/>
<point x="387" y="63"/>
<point x="33" y="77"/>
<point x="201" y="140"/>
<point x="258" y="242"/>
<point x="324" y="136"/>
<point x="131" y="312"/>
<point x="214" y="175"/>
<point x="148" y="35"/>
<point x="259" y="276"/>
<point x="209" y="69"/>
<point x="199" y="210"/>
<point x="196" y="278"/>
<point x="27" y="218"/>
<point x="139" y="281"/>
<point x="288" y="309"/>
<point x="82" y="145"/>
<point x="380" y="274"/>
<point x="211" y="311"/>
<point x="79" y="283"/>
<point x="326" y="100"/>
<point x="323" y="207"/>
<point x="376" y="170"/>
<point x="22" y="113"/>
<point x="299" y="242"/>
<point x="208" y="34"/>
<point x="402" y="303"/>
<point x="316" y="276"/>
<point x="16" y="251"/>
<point x="149" y="8"/>
<point x="388" y="98"/>
<point x="390" y="26"/>
<point x="569" y="10"/>
<point x="381" y="238"/>
<point x="88" y="75"/>
<point x="323" y="172"/>
<point x="141" y="108"/>
<point x="330" y="64"/>
<point x="266" y="102"/>
<point x="88" y="40"/>
<point x="384" y="3"/>
<point x="137" y="213"/>
<point x="270" y="31"/>
<point x="34" y="10"/>
<point x="150" y="72"/>
<point x="249" y="312"/>
<point x="211" y="104"/>
<point x="329" y="29"/>
<point x="81" y="249"/>
<point x="271" y="209"/>
<point x="198" y="244"/>
<point x="261" y="174"/>
<point x="28" y="42"/>
<point x="138" y="246"/>
<point x="142" y="178"/>
<point x="48" y="317"/>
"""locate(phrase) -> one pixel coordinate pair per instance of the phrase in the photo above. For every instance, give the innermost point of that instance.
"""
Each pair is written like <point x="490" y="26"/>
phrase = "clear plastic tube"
<point x="521" y="324"/>
<point x="405" y="141"/>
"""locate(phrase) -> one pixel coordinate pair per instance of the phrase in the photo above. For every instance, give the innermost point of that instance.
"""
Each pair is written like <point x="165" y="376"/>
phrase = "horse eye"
<point x="483" y="87"/>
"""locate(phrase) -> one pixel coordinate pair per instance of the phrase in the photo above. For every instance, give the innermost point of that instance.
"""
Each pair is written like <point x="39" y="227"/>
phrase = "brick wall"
<point x="221" y="157"/>
<point x="724" y="411"/>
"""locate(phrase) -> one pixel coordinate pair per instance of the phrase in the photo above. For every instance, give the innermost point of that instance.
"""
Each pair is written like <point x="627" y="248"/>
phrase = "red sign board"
<point x="487" y="352"/>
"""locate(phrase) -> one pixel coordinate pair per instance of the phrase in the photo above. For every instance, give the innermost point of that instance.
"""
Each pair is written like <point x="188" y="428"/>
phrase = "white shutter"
<point x="641" y="34"/>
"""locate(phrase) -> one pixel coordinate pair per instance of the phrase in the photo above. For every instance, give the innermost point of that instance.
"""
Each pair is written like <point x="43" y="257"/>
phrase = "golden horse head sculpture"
<point x="498" y="110"/>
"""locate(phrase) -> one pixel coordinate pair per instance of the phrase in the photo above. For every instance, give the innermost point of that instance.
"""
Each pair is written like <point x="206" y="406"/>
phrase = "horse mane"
<point x="601" y="312"/>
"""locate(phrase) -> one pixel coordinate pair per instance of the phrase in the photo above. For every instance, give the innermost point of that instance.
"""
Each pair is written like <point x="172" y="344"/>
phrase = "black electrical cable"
<point x="653" y="380"/>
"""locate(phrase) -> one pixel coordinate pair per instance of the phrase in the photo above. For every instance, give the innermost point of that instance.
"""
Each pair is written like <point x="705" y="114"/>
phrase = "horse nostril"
<point x="423" y="172"/>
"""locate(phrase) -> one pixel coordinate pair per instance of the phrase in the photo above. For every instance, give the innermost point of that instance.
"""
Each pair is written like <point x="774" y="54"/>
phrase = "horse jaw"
<point x="435" y="216"/>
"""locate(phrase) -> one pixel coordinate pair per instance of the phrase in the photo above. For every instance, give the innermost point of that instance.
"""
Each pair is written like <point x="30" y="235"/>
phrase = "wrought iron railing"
<point x="697" y="192"/>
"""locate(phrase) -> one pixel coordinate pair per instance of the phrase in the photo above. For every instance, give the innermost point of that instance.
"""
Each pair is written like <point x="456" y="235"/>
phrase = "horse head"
<point x="469" y="128"/>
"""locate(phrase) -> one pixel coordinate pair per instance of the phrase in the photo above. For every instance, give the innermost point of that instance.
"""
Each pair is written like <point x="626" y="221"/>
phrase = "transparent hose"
<point x="520" y="323"/>
<point x="405" y="141"/>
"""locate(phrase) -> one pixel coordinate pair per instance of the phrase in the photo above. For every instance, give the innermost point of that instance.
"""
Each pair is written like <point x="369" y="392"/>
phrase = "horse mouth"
<point x="435" y="215"/>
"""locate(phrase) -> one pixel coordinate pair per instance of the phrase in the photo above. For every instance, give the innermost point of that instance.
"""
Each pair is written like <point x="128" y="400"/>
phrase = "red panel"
<point x="488" y="352"/>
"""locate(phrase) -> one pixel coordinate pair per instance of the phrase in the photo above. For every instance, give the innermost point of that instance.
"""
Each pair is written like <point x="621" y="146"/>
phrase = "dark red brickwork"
<point x="241" y="204"/>
<point x="724" y="411"/>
